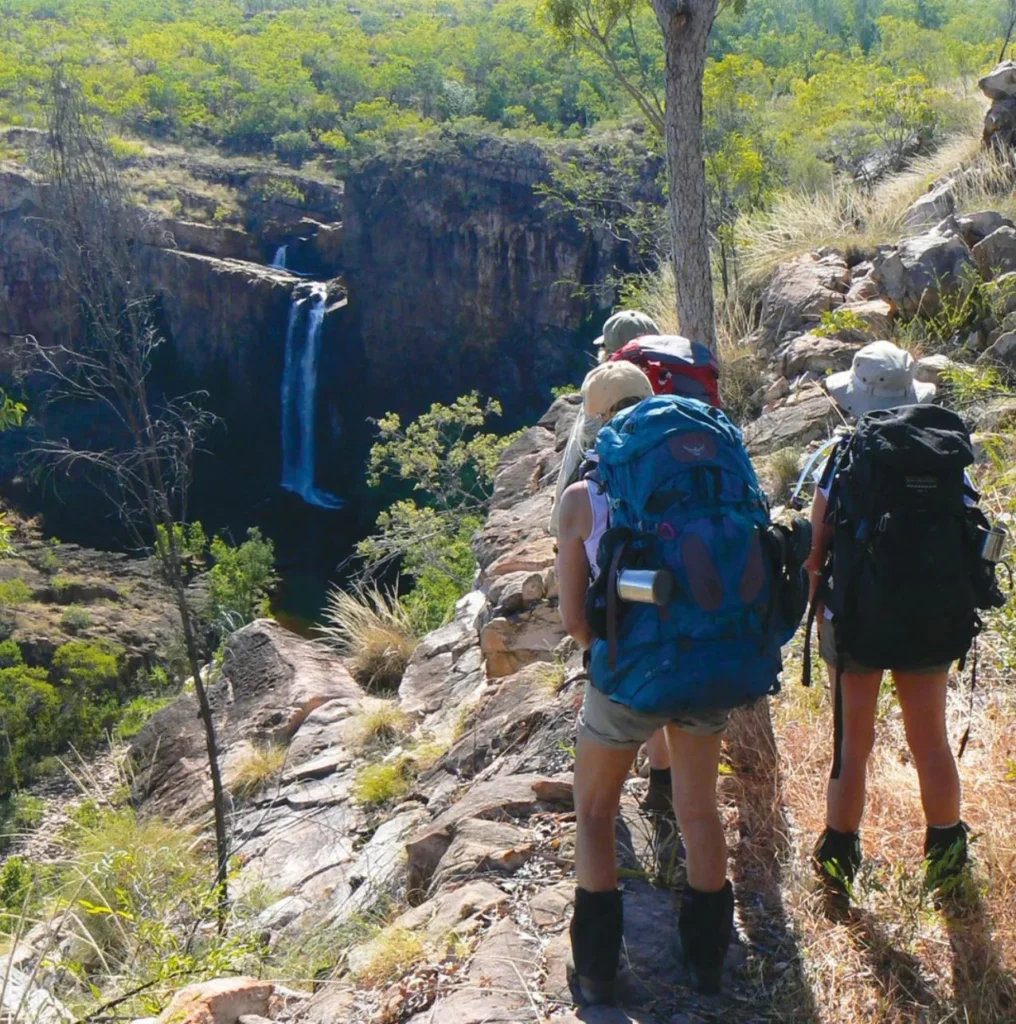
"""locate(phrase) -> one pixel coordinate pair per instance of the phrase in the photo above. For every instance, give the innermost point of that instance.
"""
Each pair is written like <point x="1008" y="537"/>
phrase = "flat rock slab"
<point x="508" y="796"/>
<point x="457" y="912"/>
<point x="811" y="418"/>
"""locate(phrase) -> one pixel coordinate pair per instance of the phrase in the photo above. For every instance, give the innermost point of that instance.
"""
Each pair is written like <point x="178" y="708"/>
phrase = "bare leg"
<point x="845" y="795"/>
<point x="600" y="772"/>
<point x="656" y="750"/>
<point x="695" y="761"/>
<point x="922" y="698"/>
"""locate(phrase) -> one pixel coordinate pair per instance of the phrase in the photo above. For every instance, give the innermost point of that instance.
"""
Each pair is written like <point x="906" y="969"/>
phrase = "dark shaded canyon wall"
<point x="461" y="279"/>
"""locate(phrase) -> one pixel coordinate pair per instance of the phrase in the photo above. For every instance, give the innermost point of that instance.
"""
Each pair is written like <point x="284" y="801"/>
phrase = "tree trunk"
<point x="686" y="25"/>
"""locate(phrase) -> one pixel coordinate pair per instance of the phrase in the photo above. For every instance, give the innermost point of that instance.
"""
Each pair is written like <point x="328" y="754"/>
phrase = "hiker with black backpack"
<point x="693" y="594"/>
<point x="898" y="575"/>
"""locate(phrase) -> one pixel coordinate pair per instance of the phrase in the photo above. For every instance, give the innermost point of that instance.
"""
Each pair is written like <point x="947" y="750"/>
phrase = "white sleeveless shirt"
<point x="599" y="505"/>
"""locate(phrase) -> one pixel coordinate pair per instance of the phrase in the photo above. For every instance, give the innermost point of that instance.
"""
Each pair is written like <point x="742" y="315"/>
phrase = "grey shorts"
<point x="827" y="648"/>
<point x="610" y="724"/>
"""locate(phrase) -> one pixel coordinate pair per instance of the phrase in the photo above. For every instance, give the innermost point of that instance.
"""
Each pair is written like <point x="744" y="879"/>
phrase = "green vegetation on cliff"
<point x="298" y="77"/>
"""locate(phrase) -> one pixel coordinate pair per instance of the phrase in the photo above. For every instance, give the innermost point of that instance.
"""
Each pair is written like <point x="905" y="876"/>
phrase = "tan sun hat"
<point x="610" y="384"/>
<point x="881" y="377"/>
<point x="622" y="327"/>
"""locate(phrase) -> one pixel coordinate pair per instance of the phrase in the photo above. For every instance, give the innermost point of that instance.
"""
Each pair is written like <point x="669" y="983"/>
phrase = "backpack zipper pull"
<point x="883" y="523"/>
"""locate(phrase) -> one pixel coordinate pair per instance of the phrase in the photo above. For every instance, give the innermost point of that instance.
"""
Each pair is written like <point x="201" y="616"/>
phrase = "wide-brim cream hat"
<point x="609" y="384"/>
<point x="881" y="377"/>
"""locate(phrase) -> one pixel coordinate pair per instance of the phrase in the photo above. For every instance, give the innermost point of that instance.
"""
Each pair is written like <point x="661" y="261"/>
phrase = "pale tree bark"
<point x="686" y="25"/>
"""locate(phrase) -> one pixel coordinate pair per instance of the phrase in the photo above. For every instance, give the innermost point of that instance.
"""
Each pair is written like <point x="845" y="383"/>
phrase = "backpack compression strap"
<point x="612" y="599"/>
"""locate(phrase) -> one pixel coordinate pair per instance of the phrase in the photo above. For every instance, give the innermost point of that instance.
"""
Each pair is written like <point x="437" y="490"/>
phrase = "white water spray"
<point x="299" y="393"/>
<point x="279" y="262"/>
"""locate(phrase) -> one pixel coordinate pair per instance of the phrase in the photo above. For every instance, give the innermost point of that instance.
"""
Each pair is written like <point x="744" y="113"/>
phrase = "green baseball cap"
<point x="623" y="327"/>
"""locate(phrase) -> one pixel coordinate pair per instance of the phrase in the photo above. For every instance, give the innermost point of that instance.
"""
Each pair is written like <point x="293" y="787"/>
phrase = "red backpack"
<point x="675" y="366"/>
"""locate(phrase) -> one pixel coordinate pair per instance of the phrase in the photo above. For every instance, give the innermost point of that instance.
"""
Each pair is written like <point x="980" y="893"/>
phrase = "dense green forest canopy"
<point x="307" y="76"/>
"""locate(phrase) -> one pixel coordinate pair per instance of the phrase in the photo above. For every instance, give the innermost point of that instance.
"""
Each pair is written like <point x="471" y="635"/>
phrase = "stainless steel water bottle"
<point x="645" y="586"/>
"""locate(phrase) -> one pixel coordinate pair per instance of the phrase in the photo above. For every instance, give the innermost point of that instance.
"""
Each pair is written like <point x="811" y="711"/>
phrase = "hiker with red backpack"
<point x="898" y="577"/>
<point x="693" y="594"/>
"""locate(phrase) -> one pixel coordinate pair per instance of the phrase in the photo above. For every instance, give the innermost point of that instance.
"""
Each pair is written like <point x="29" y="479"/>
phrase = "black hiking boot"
<point x="703" y="934"/>
<point x="597" y="928"/>
<point x="836" y="859"/>
<point x="659" y="798"/>
<point x="945" y="850"/>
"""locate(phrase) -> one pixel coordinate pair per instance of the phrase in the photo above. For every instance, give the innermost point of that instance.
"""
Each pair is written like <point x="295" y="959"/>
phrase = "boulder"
<point x="996" y="254"/>
<point x="523" y="466"/>
<point x="801" y="291"/>
<point x="483" y="847"/>
<point x="510" y="642"/>
<point x="222" y="1001"/>
<point x="938" y="202"/>
<point x="1005" y="293"/>
<point x="1000" y="124"/>
<point x="517" y="591"/>
<point x="975" y="227"/>
<point x="819" y="355"/>
<point x="1000" y="82"/>
<point x="24" y="999"/>
<point x="510" y="795"/>
<point x="863" y="286"/>
<point x="929" y="369"/>
<point x="915" y="274"/>
<point x="446" y="666"/>
<point x="811" y="418"/>
<point x="456" y="912"/>
<point x="873" y="317"/>
<point x="1001" y="354"/>
<point x="271" y="682"/>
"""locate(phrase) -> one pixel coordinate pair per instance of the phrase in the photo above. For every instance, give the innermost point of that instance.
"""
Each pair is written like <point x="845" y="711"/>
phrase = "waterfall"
<point x="279" y="262"/>
<point x="299" y="394"/>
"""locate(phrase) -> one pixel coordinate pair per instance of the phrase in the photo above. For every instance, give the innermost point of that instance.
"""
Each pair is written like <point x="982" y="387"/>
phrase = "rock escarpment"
<point x="461" y="278"/>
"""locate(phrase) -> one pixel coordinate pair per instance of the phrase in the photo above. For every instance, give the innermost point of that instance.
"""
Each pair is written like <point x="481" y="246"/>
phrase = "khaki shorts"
<point x="827" y="648"/>
<point x="611" y="724"/>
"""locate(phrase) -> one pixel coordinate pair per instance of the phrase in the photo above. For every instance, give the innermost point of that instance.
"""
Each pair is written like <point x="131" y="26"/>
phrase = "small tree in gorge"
<point x="142" y="458"/>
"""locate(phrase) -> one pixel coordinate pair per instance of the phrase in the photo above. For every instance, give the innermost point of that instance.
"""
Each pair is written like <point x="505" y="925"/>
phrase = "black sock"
<point x="659" y="778"/>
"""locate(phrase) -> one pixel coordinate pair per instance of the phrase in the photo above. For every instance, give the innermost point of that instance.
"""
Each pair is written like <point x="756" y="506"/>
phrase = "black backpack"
<point x="905" y="579"/>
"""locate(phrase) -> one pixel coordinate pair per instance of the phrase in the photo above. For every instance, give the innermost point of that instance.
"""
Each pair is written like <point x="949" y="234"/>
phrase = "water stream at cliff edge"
<point x="299" y="392"/>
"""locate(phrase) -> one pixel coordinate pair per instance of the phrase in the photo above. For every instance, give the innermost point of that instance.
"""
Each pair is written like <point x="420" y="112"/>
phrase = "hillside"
<point x="358" y="254"/>
<point x="406" y="856"/>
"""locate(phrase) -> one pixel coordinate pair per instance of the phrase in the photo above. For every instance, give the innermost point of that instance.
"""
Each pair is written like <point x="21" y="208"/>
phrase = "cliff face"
<point x="461" y="278"/>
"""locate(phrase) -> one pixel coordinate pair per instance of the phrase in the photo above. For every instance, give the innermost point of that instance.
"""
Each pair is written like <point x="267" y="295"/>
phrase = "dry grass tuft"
<point x="392" y="954"/>
<point x="258" y="768"/>
<point x="850" y="218"/>
<point x="779" y="473"/>
<point x="370" y="626"/>
<point x="380" y="725"/>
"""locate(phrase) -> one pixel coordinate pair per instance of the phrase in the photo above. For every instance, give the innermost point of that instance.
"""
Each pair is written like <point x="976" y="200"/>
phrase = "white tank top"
<point x="600" y="507"/>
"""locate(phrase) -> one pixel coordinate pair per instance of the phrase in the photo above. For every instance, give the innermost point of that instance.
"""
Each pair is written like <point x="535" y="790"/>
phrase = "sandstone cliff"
<point x="461" y="278"/>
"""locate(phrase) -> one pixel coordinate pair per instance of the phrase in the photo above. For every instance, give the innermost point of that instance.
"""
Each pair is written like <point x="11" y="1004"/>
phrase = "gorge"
<point x="431" y="272"/>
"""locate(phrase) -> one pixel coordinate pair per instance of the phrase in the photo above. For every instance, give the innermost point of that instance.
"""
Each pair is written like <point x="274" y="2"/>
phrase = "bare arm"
<point x="821" y="533"/>
<point x="572" y="564"/>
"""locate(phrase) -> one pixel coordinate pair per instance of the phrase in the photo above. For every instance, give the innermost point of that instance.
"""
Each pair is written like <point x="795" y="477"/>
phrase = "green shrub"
<point x="241" y="580"/>
<point x="75" y="619"/>
<point x="293" y="147"/>
<point x="379" y="784"/>
<point x="14" y="592"/>
<point x="133" y="716"/>
<point x="16" y="893"/>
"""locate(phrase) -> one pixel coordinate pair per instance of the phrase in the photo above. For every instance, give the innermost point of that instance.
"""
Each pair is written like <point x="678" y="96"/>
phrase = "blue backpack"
<point x="684" y="497"/>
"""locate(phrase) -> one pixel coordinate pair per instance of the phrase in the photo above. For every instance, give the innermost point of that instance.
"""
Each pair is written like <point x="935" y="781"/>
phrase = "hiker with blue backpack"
<point x="693" y="593"/>
<point x="902" y="562"/>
